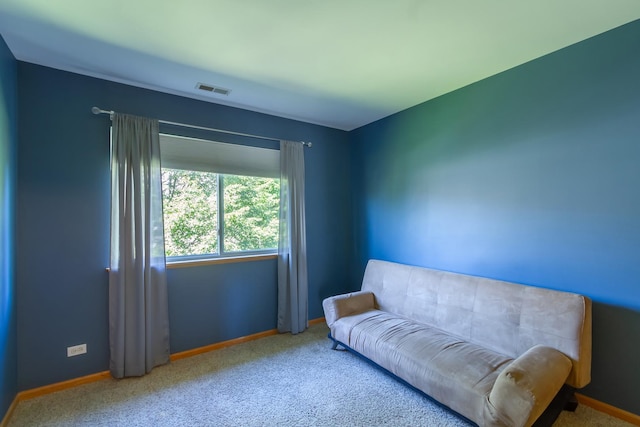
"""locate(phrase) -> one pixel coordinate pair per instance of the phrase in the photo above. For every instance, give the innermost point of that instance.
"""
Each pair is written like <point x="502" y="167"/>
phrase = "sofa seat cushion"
<point x="445" y="367"/>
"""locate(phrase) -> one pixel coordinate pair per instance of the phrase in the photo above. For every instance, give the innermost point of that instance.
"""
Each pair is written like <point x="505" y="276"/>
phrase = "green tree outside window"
<point x="192" y="216"/>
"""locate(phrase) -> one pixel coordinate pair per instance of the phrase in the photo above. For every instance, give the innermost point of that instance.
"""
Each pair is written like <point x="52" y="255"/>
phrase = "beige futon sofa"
<point x="496" y="353"/>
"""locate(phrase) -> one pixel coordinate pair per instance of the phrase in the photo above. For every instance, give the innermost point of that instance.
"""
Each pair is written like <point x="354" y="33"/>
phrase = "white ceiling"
<point x="338" y="63"/>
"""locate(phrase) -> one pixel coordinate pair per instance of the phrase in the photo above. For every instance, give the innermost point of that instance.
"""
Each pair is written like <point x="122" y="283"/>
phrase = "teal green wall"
<point x="8" y="142"/>
<point x="530" y="176"/>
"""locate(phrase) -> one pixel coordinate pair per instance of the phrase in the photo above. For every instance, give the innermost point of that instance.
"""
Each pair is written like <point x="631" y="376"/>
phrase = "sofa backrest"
<point x="506" y="317"/>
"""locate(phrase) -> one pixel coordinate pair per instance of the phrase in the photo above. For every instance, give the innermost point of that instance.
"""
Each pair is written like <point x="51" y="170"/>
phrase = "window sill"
<point x="215" y="261"/>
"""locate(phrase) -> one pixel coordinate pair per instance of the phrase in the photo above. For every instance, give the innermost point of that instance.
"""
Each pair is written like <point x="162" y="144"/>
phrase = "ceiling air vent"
<point x="213" y="89"/>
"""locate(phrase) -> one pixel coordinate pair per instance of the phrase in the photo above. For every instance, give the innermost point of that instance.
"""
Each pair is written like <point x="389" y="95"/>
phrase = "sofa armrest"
<point x="526" y="386"/>
<point x="347" y="304"/>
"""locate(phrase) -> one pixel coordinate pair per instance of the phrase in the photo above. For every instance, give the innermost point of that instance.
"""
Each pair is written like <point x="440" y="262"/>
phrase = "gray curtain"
<point x="138" y="306"/>
<point x="292" y="246"/>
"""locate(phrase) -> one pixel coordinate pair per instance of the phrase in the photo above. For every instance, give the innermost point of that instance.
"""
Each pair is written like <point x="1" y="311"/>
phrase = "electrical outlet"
<point x="76" y="350"/>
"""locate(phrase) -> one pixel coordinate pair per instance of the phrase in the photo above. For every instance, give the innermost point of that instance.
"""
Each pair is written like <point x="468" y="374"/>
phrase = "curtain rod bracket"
<point x="96" y="111"/>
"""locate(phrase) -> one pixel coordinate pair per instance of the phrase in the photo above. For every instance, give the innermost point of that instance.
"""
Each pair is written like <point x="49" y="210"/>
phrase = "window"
<point x="218" y="199"/>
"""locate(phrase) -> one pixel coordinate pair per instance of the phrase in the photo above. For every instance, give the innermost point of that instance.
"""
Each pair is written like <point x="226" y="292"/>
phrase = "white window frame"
<point x="179" y="152"/>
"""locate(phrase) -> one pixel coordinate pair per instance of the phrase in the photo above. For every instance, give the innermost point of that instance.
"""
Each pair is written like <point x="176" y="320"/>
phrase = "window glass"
<point x="190" y="204"/>
<point x="251" y="207"/>
<point x="193" y="215"/>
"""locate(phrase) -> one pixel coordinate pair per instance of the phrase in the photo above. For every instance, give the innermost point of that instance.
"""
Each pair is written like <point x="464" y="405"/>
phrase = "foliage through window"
<point x="207" y="213"/>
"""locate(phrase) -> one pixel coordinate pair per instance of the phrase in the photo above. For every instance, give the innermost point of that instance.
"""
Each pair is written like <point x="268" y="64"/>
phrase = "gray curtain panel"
<point x="138" y="305"/>
<point x="292" y="246"/>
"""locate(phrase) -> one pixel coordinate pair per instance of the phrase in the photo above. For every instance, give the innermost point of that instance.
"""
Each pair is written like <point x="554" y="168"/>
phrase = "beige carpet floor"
<point x="282" y="380"/>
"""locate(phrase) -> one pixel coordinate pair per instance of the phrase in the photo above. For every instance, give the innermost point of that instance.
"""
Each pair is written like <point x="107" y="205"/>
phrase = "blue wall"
<point x="63" y="225"/>
<point x="8" y="143"/>
<point x="531" y="176"/>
